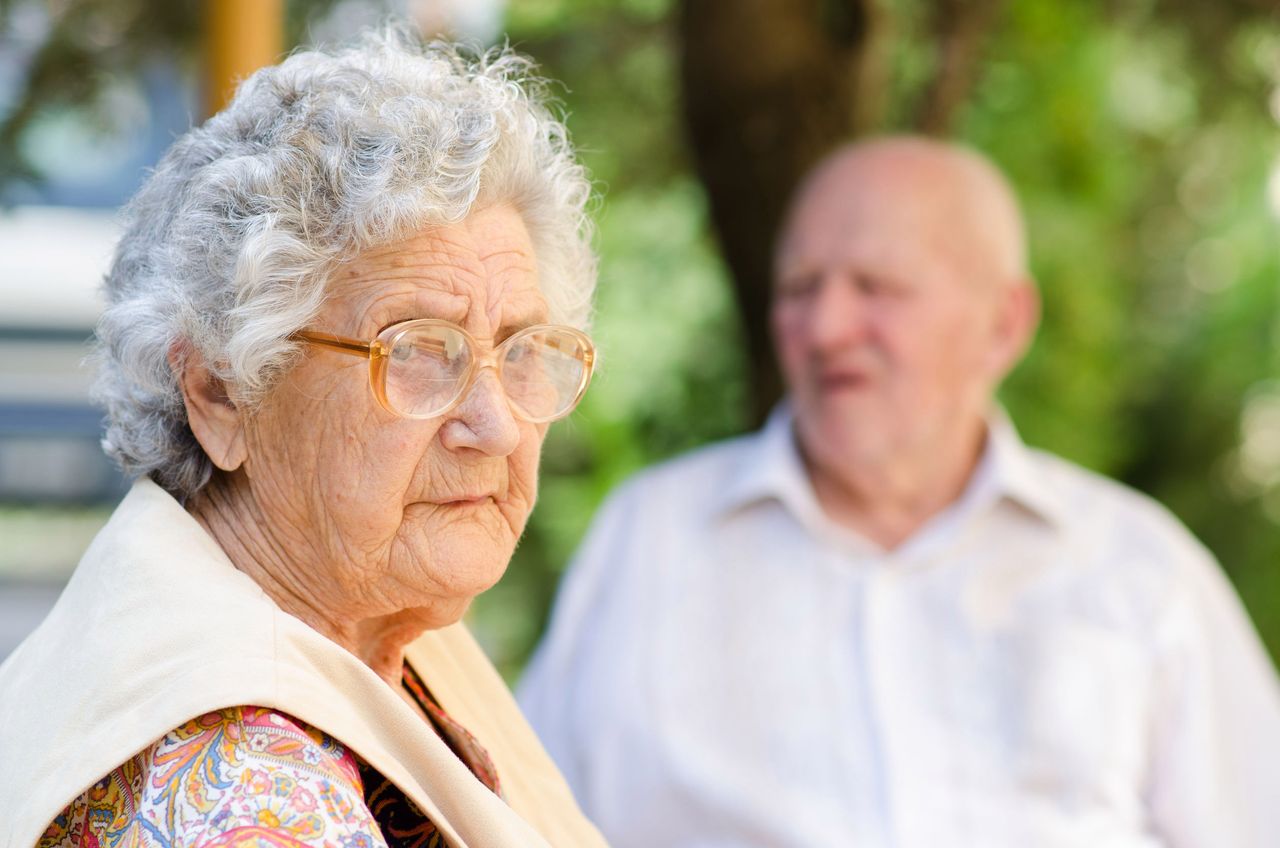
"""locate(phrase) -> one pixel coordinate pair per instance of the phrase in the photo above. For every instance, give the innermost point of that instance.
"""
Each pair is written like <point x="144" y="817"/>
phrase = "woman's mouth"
<point x="467" y="500"/>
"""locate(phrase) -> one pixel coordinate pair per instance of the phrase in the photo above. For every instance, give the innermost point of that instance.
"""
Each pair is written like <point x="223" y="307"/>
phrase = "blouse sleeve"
<point x="243" y="775"/>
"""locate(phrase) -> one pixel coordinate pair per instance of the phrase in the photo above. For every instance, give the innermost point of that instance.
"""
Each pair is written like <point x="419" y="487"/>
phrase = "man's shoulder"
<point x="1103" y="509"/>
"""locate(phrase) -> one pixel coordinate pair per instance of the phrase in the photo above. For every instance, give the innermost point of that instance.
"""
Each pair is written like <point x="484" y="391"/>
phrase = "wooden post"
<point x="240" y="37"/>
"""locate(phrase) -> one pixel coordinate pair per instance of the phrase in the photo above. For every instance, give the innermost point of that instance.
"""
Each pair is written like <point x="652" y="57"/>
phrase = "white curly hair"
<point x="228" y="245"/>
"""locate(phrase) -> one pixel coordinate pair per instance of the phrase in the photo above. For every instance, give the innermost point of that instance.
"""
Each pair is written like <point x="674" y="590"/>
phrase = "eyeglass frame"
<point x="377" y="351"/>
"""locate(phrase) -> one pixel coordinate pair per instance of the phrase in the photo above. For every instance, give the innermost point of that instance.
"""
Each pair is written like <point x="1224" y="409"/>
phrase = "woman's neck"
<point x="277" y="558"/>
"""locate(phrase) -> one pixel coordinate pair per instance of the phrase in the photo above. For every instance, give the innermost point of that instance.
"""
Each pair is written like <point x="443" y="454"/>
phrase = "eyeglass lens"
<point x="541" y="371"/>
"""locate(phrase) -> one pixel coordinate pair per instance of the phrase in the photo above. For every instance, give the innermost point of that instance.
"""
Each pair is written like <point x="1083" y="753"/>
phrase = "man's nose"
<point x="483" y="420"/>
<point x="838" y="314"/>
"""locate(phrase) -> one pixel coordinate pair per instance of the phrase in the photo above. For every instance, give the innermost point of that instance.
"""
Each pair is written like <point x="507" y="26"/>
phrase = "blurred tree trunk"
<point x="770" y="86"/>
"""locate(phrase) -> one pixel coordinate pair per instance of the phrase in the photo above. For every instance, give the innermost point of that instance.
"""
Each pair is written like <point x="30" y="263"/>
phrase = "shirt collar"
<point x="1014" y="471"/>
<point x="775" y="470"/>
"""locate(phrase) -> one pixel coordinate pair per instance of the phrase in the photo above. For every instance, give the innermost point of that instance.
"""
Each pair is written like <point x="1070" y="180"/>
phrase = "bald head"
<point x="943" y="197"/>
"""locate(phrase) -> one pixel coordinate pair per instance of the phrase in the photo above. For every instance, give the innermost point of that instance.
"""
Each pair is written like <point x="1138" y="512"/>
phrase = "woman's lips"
<point x="466" y="500"/>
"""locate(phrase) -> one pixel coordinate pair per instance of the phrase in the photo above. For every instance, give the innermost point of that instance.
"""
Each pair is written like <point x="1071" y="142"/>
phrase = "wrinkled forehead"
<point x="480" y="273"/>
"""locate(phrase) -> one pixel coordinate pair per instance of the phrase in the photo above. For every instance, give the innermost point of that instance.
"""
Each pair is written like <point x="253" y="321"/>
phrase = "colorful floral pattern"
<point x="250" y="777"/>
<point x="244" y="777"/>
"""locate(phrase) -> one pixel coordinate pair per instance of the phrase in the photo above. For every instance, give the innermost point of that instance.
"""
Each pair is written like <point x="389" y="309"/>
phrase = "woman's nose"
<point x="483" y="421"/>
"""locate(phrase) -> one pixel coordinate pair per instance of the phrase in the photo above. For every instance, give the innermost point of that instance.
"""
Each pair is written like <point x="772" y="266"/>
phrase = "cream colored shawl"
<point x="157" y="626"/>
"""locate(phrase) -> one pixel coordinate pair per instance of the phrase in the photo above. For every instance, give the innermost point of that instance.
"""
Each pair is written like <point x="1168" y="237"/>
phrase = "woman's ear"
<point x="213" y="417"/>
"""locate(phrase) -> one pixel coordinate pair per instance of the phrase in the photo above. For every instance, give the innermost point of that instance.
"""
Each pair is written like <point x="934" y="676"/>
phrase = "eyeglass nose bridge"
<point x="467" y="384"/>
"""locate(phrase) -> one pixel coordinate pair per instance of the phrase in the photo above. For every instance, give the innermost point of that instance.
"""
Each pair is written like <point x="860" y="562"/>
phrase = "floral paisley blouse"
<point x="252" y="777"/>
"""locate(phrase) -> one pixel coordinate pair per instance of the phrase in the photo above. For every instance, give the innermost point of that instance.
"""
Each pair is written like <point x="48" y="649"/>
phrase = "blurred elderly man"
<point x="883" y="620"/>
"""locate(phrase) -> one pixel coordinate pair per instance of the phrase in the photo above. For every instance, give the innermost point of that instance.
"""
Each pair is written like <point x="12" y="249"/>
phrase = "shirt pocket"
<point x="1082" y="723"/>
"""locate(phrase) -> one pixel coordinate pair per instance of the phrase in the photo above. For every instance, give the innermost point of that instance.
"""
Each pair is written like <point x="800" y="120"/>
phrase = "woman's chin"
<point x="459" y="564"/>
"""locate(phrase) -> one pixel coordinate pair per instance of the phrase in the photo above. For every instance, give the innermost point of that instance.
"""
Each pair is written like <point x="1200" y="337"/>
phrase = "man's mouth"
<point x="844" y="380"/>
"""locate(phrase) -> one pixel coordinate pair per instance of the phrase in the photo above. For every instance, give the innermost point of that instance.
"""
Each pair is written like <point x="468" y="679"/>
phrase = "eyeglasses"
<point x="423" y="368"/>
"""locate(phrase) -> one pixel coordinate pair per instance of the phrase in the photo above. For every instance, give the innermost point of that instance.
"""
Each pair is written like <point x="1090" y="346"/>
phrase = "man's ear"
<point x="1017" y="317"/>
<point x="214" y="419"/>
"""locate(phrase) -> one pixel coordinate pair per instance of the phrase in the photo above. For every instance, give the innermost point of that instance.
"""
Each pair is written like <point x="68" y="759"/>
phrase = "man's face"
<point x="884" y="325"/>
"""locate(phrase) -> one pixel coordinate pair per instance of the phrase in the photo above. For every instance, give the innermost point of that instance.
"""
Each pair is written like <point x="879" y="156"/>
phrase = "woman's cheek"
<point x="524" y="470"/>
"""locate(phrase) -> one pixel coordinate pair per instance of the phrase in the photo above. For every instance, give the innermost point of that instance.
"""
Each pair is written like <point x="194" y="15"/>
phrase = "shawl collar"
<point x="157" y="626"/>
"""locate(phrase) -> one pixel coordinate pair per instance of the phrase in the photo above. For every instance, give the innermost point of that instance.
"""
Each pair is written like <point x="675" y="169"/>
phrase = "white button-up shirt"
<point x="1052" y="661"/>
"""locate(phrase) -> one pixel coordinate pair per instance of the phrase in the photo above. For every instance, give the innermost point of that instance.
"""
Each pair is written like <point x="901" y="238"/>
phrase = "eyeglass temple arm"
<point x="338" y="343"/>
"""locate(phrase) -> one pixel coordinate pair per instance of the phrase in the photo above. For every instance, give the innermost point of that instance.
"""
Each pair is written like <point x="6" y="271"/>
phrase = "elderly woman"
<point x="340" y="320"/>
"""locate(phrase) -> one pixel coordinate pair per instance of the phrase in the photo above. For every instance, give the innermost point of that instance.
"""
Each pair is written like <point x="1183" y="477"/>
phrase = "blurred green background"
<point x="1142" y="138"/>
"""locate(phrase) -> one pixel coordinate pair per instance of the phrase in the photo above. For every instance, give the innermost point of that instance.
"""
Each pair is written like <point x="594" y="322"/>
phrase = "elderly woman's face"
<point x="401" y="513"/>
